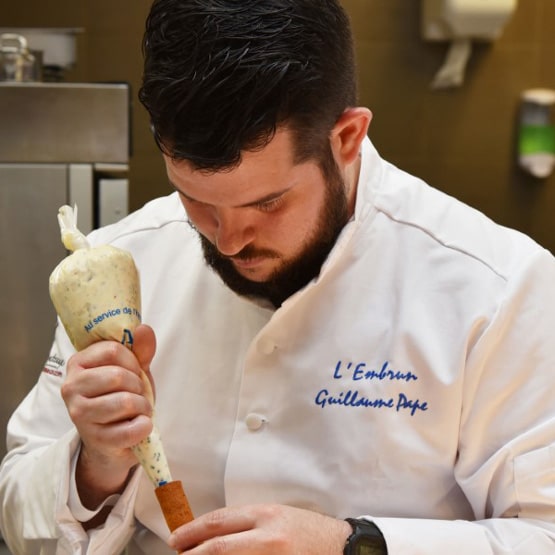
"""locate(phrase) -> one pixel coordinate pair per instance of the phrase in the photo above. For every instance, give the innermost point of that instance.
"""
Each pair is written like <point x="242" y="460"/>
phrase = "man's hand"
<point x="105" y="398"/>
<point x="262" y="530"/>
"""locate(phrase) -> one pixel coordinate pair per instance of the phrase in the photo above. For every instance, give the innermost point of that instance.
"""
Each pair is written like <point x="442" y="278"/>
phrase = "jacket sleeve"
<point x="506" y="457"/>
<point x="35" y="475"/>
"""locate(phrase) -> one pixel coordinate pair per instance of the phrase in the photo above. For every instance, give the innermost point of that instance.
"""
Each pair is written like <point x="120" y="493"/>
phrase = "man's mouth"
<point x="250" y="261"/>
<point x="247" y="262"/>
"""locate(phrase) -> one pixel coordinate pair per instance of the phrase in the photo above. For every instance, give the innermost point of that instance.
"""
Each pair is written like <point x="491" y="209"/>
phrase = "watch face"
<point x="366" y="539"/>
<point x="368" y="546"/>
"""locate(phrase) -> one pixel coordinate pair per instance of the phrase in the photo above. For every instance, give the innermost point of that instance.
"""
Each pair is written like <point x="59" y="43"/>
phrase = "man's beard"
<point x="296" y="273"/>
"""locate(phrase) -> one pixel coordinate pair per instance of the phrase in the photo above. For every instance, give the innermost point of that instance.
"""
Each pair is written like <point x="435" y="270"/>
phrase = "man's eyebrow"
<point x="262" y="200"/>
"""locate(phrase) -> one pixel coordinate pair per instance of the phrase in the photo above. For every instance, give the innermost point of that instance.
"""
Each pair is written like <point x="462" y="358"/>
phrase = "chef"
<point x="346" y="360"/>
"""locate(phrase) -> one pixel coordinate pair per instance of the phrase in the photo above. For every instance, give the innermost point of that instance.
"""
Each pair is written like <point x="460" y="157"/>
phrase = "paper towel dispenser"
<point x="460" y="22"/>
<point x="475" y="19"/>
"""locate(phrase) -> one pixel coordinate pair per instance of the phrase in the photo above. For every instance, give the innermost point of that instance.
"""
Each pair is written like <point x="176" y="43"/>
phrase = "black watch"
<point x="366" y="539"/>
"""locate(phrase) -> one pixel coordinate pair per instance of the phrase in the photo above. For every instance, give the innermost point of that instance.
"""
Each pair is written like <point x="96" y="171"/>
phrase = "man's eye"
<point x="269" y="205"/>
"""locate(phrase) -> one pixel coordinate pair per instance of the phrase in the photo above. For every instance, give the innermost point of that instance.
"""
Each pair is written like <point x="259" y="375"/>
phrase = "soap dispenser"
<point x="536" y="140"/>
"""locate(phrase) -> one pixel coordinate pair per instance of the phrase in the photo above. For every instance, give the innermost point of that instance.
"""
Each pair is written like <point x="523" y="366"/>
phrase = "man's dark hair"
<point x="220" y="76"/>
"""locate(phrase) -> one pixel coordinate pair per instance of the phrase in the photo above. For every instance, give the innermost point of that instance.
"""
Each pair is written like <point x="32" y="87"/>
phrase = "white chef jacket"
<point x="412" y="382"/>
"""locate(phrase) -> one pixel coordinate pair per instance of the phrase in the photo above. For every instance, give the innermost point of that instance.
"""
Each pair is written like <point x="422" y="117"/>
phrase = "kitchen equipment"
<point x="57" y="141"/>
<point x="58" y="44"/>
<point x="17" y="63"/>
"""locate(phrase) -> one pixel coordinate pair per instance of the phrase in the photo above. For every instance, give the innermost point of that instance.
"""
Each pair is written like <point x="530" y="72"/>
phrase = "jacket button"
<point x="255" y="421"/>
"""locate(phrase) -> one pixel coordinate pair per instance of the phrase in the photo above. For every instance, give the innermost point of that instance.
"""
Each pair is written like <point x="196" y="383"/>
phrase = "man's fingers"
<point x="216" y="524"/>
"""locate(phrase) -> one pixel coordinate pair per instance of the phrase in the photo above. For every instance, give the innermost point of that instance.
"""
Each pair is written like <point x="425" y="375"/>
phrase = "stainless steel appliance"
<point x="57" y="142"/>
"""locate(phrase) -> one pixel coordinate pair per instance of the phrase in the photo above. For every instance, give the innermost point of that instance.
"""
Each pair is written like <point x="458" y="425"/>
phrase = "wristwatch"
<point x="366" y="539"/>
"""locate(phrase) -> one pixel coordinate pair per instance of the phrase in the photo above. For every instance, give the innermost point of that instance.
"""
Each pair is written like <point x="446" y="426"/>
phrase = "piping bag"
<point x="96" y="293"/>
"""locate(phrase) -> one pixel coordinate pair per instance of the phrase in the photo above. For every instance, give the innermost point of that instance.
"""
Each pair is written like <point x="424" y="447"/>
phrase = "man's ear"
<point x="348" y="133"/>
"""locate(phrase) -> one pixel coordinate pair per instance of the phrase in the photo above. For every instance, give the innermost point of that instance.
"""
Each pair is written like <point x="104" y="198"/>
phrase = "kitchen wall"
<point x="461" y="140"/>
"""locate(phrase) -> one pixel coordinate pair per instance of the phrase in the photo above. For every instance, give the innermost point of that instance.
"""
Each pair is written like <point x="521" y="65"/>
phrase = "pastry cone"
<point x="96" y="293"/>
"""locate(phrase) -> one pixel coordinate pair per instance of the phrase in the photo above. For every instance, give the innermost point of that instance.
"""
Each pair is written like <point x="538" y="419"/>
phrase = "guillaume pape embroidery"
<point x="354" y="374"/>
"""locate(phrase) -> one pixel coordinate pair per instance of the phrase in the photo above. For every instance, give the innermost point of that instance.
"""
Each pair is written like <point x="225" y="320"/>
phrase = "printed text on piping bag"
<point x="96" y="293"/>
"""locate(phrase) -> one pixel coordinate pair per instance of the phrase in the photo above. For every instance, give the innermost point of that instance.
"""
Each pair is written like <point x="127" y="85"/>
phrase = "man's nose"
<point x="233" y="232"/>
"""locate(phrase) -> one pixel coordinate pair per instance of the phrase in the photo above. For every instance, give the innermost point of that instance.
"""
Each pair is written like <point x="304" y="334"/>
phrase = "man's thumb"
<point x="144" y="348"/>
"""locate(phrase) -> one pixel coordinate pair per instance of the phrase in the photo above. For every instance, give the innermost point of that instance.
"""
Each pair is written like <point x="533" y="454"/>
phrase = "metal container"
<point x="17" y="63"/>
